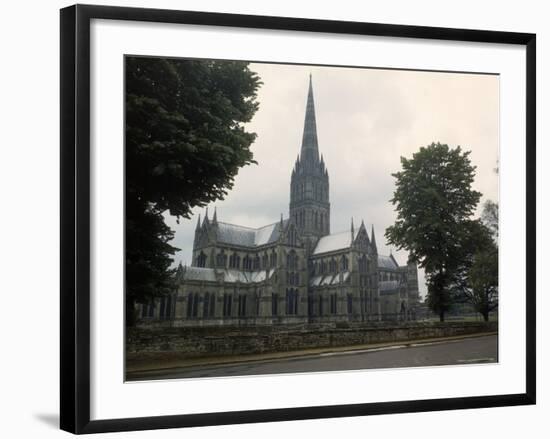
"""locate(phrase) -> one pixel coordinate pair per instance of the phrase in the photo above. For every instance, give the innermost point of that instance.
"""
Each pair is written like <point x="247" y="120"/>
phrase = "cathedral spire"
<point x="215" y="217"/>
<point x="310" y="148"/>
<point x="352" y="231"/>
<point x="373" y="239"/>
<point x="198" y="222"/>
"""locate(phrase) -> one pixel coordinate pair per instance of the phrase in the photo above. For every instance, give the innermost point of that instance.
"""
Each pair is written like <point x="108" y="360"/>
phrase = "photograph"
<point x="293" y="218"/>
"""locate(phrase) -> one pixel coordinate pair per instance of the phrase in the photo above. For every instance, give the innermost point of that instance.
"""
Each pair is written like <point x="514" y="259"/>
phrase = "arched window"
<point x="221" y="259"/>
<point x="264" y="261"/>
<point x="291" y="301"/>
<point x="256" y="262"/>
<point x="292" y="260"/>
<point x="333" y="304"/>
<point x="332" y="266"/>
<point x="227" y="303"/>
<point x="242" y="305"/>
<point x="274" y="304"/>
<point x="344" y="263"/>
<point x="192" y="304"/>
<point x="209" y="305"/>
<point x="273" y="259"/>
<point x="201" y="260"/>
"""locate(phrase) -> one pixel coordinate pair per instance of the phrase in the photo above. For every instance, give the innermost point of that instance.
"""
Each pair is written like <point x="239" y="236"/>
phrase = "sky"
<point x="366" y="120"/>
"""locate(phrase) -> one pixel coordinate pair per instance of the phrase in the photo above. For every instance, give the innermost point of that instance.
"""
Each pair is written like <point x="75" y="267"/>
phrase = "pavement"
<point x="479" y="348"/>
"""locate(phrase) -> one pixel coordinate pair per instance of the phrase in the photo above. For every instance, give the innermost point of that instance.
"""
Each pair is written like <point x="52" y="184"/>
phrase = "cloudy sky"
<point x="366" y="120"/>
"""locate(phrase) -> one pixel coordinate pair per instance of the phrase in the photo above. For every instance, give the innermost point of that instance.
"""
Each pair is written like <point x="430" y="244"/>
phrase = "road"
<point x="465" y="351"/>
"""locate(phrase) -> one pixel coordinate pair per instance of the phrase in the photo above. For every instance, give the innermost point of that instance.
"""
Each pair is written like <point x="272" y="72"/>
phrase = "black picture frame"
<point x="75" y="217"/>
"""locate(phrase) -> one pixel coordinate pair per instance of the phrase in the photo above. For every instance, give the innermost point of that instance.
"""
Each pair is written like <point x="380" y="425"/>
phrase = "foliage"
<point x="476" y="280"/>
<point x="489" y="216"/>
<point x="185" y="142"/>
<point x="434" y="202"/>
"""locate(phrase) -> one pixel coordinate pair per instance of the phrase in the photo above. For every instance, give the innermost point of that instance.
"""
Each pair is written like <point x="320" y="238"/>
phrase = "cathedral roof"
<point x="388" y="286"/>
<point x="329" y="279"/>
<point x="334" y="242"/>
<point x="230" y="276"/>
<point x="387" y="262"/>
<point x="246" y="236"/>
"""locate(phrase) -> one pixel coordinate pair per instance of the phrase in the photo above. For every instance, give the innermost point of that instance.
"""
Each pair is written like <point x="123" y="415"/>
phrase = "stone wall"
<point x="213" y="341"/>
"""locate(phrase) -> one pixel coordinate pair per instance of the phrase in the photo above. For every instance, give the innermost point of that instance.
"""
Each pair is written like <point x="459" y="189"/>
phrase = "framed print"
<point x="304" y="218"/>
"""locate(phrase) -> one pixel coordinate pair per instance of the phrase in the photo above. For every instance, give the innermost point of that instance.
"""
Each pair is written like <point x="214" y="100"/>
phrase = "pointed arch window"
<point x="201" y="260"/>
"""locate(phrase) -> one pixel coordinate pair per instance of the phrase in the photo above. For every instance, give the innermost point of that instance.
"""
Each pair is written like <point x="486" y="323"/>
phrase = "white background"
<point x="29" y="221"/>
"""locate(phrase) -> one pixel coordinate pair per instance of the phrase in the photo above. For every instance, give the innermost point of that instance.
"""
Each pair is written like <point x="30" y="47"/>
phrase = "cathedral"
<point x="291" y="271"/>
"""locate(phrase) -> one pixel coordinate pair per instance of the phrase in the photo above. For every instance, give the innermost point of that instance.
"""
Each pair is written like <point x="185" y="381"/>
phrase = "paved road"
<point x="465" y="351"/>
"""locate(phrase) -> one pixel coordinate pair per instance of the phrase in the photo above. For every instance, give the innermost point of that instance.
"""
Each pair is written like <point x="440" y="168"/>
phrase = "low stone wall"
<point x="203" y="342"/>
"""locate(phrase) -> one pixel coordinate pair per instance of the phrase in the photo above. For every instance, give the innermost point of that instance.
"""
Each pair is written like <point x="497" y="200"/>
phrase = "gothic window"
<point x="205" y="305"/>
<point x="201" y="260"/>
<point x="166" y="307"/>
<point x="227" y="302"/>
<point x="148" y="310"/>
<point x="233" y="261"/>
<point x="221" y="259"/>
<point x="209" y="303"/>
<point x="344" y="263"/>
<point x="292" y="260"/>
<point x="273" y="259"/>
<point x="363" y="264"/>
<point x="256" y="262"/>
<point x="292" y="236"/>
<point x="291" y="301"/>
<point x="264" y="261"/>
<point x="247" y="263"/>
<point x="350" y="303"/>
<point x="332" y="266"/>
<point x="274" y="304"/>
<point x="192" y="304"/>
<point x="333" y="303"/>
<point x="242" y="305"/>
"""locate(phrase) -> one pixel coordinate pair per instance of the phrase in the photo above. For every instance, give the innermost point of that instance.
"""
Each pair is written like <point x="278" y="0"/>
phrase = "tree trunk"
<point x="441" y="316"/>
<point x="485" y="315"/>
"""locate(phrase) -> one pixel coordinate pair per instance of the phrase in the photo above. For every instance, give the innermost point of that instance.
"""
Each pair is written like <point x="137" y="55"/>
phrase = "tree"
<point x="185" y="142"/>
<point x="489" y="216"/>
<point x="483" y="280"/>
<point x="434" y="202"/>
<point x="472" y="282"/>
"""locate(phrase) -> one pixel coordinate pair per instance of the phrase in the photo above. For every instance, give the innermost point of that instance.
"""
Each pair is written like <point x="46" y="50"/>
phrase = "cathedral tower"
<point x="309" y="186"/>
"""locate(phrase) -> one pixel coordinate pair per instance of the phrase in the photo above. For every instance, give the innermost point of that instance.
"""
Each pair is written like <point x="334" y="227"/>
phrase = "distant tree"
<point x="471" y="283"/>
<point x="185" y="142"/>
<point x="483" y="281"/>
<point x="489" y="216"/>
<point x="434" y="202"/>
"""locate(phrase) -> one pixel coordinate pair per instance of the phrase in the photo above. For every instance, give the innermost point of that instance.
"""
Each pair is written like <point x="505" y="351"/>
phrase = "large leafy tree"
<point x="185" y="142"/>
<point x="434" y="201"/>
